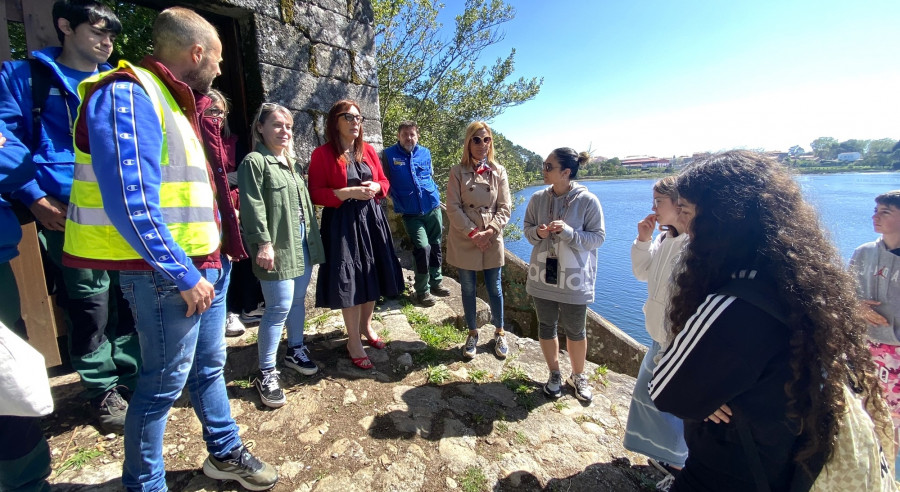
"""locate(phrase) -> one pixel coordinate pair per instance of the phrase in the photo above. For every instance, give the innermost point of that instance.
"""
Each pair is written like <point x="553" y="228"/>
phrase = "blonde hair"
<point x="471" y="130"/>
<point x="262" y="114"/>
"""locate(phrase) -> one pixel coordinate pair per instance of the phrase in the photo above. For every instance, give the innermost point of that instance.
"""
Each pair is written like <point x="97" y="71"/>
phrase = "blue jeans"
<point x="285" y="302"/>
<point x="467" y="280"/>
<point x="175" y="350"/>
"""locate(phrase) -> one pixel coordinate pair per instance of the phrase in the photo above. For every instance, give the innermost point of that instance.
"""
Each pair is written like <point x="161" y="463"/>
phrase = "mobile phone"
<point x="551" y="273"/>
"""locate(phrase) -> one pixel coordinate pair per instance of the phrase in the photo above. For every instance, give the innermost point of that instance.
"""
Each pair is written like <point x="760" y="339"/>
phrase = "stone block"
<point x="365" y="68"/>
<point x="338" y="30"/>
<point x="281" y="44"/>
<point x="332" y="62"/>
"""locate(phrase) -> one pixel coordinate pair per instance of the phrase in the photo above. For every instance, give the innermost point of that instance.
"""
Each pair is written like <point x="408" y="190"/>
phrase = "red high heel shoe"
<point x="362" y="362"/>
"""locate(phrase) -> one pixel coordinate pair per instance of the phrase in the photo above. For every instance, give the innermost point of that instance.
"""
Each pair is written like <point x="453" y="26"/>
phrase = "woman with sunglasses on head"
<point x="280" y="225"/>
<point x="345" y="176"/>
<point x="768" y="336"/>
<point x="478" y="208"/>
<point x="564" y="223"/>
<point x="655" y="434"/>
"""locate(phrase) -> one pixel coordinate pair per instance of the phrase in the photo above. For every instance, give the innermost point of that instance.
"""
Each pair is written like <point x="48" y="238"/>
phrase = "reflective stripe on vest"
<point x="185" y="194"/>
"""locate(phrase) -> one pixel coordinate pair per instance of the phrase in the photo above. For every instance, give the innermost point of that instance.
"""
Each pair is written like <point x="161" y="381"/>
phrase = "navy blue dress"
<point x="360" y="262"/>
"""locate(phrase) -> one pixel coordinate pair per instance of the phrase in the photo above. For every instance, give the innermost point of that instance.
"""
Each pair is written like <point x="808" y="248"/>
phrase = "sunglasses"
<point x="548" y="167"/>
<point x="353" y="118"/>
<point x="478" y="140"/>
<point x="215" y="112"/>
<point x="657" y="201"/>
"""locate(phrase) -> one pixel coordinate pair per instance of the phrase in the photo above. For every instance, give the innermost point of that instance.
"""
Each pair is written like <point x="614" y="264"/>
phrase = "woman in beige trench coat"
<point x="478" y="208"/>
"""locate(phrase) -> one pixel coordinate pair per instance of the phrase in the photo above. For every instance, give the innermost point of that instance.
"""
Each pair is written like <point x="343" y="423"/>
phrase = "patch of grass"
<point x="378" y="317"/>
<point x="79" y="458"/>
<point x="437" y="374"/>
<point x="478" y="375"/>
<point x="478" y="419"/>
<point x="520" y="438"/>
<point x="385" y="334"/>
<point x="473" y="480"/>
<point x="513" y="376"/>
<point x="244" y="383"/>
<point x="430" y="356"/>
<point x="318" y="319"/>
<point x="559" y="405"/>
<point x="253" y="338"/>
<point x="438" y="336"/>
<point x="599" y="375"/>
<point x="321" y="474"/>
<point x="502" y="427"/>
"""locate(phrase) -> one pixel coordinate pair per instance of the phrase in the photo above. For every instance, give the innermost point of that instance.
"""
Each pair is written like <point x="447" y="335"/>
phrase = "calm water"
<point x="845" y="203"/>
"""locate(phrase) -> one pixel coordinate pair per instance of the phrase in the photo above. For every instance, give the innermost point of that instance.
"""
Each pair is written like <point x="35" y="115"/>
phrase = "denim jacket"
<point x="274" y="197"/>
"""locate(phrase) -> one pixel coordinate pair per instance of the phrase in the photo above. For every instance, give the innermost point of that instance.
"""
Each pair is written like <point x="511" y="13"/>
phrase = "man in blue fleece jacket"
<point x="103" y="348"/>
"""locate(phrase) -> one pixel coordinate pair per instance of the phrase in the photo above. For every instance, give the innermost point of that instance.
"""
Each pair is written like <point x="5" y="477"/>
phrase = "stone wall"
<point x="306" y="55"/>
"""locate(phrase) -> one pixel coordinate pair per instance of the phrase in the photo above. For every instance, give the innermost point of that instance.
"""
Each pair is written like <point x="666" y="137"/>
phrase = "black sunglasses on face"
<point x="350" y="117"/>
<point x="478" y="140"/>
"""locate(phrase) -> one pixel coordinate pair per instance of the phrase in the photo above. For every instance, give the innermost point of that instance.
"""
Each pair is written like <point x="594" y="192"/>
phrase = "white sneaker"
<point x="233" y="326"/>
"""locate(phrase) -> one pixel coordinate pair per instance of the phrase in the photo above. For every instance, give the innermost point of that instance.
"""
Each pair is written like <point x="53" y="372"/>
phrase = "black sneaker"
<point x="110" y="409"/>
<point x="440" y="290"/>
<point x="269" y="386"/>
<point x="553" y="388"/>
<point x="297" y="358"/>
<point x="240" y="465"/>
<point x="471" y="346"/>
<point x="426" y="299"/>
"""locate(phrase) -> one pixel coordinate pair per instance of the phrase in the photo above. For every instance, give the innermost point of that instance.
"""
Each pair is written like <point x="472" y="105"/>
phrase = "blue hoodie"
<point x="53" y="162"/>
<point x="15" y="169"/>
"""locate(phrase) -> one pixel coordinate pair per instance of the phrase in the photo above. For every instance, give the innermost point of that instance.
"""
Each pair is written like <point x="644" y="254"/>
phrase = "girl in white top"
<point x="648" y="431"/>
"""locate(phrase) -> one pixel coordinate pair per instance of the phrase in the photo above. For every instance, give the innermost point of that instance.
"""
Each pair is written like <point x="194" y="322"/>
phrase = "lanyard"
<point x="563" y="213"/>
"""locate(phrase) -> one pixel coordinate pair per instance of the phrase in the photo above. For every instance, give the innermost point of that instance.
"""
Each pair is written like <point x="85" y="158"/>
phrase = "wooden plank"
<point x="4" y="34"/>
<point x="39" y="30"/>
<point x="37" y="307"/>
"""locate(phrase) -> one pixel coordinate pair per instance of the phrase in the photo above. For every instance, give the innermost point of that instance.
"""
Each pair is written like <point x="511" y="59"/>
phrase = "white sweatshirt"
<point x="653" y="262"/>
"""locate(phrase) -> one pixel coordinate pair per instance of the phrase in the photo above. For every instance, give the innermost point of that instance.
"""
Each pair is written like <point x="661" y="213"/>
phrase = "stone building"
<point x="303" y="54"/>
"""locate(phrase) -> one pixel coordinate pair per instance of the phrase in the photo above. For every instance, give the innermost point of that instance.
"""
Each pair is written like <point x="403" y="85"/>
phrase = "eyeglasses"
<point x="657" y="201"/>
<point x="214" y="112"/>
<point x="548" y="167"/>
<point x="478" y="140"/>
<point x="353" y="118"/>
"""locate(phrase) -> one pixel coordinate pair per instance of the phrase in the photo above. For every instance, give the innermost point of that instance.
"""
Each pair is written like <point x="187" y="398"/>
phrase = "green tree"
<point x="134" y="42"/>
<point x="825" y="147"/>
<point x="434" y="79"/>
<point x="880" y="153"/>
<point x="853" y="145"/>
<point x="796" y="150"/>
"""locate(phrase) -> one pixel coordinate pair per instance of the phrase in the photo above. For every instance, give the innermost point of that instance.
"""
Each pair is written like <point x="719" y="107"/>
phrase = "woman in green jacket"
<point x="281" y="228"/>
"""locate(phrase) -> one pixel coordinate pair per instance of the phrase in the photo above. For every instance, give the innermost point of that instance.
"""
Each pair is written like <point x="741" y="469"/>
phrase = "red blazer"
<point x="328" y="172"/>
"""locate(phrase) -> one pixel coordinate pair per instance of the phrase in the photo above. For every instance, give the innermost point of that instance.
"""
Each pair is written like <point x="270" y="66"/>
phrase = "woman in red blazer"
<point x="345" y="176"/>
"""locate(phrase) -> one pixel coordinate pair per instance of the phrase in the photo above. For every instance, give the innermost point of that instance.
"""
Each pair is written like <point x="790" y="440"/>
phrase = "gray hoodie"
<point x="877" y="272"/>
<point x="576" y="244"/>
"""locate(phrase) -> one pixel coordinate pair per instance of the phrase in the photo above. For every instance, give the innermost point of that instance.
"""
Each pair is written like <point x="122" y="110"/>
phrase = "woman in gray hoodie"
<point x="564" y="223"/>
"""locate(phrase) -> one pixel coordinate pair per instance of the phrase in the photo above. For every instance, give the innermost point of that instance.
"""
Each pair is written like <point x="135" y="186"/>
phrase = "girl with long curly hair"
<point x="733" y="363"/>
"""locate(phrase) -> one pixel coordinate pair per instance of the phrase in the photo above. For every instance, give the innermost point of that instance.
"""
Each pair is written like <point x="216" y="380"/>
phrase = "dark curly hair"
<point x="750" y="213"/>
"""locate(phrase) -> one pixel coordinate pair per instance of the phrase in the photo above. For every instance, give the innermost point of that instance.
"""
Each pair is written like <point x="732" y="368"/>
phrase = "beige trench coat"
<point x="476" y="200"/>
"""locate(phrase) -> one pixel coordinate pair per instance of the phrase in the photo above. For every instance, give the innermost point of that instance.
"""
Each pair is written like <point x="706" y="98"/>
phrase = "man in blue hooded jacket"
<point x="415" y="196"/>
<point x="103" y="348"/>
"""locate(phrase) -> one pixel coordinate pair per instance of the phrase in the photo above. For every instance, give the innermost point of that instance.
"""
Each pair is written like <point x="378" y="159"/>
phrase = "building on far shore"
<point x="849" y="156"/>
<point x="645" y="162"/>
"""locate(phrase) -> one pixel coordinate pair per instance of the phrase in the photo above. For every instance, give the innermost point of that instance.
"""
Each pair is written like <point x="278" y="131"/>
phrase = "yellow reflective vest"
<point x="186" y="196"/>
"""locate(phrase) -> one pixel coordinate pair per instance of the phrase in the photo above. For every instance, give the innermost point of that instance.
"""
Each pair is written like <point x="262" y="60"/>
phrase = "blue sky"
<point x="674" y="77"/>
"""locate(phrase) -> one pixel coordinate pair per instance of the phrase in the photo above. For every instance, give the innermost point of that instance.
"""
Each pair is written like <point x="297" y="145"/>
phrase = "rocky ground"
<point x="421" y="420"/>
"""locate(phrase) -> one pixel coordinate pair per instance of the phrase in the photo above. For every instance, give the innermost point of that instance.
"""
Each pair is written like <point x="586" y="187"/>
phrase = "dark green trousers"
<point x="103" y="346"/>
<point x="425" y="233"/>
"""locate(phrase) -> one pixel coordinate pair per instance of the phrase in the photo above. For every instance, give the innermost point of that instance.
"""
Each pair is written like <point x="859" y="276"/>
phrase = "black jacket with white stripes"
<point x="730" y="351"/>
